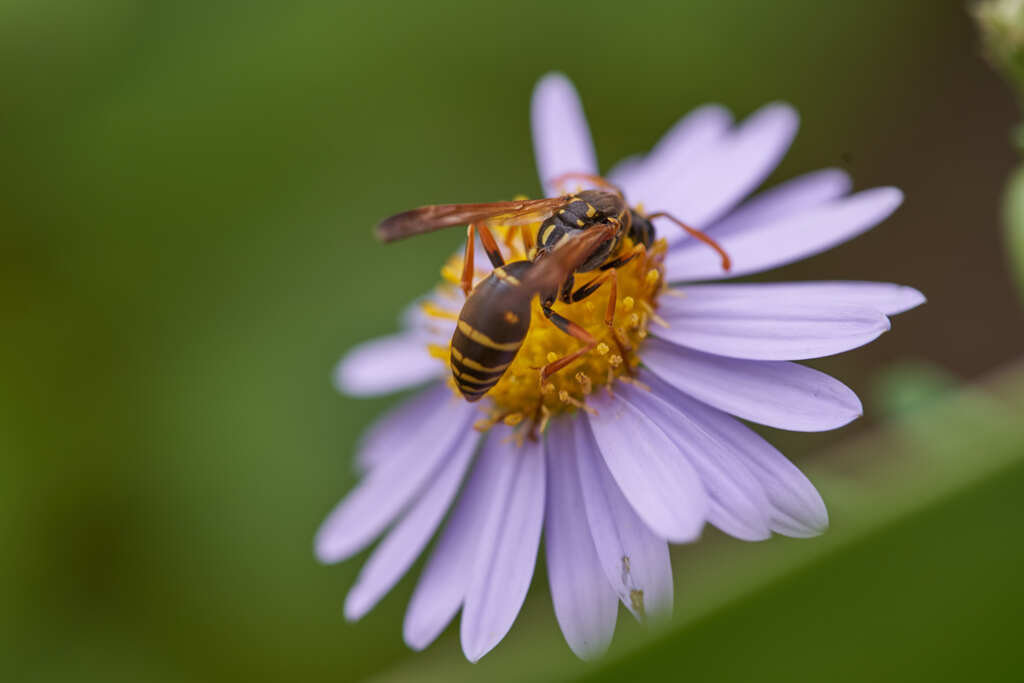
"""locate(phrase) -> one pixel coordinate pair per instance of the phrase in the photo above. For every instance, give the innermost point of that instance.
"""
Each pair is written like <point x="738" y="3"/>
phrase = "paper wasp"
<point x="578" y="233"/>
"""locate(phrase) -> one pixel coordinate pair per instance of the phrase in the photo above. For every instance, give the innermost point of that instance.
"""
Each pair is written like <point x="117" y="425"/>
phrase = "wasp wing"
<point x="551" y="269"/>
<point x="437" y="216"/>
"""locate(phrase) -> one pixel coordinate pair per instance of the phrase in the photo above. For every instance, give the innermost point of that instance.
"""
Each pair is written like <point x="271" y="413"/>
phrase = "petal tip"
<point x="415" y="634"/>
<point x="338" y="377"/>
<point x="781" y="109"/>
<point x="325" y="551"/>
<point x="837" y="176"/>
<point x="356" y="606"/>
<point x="781" y="118"/>
<point x="589" y="652"/>
<point x="891" y="196"/>
<point x="553" y="79"/>
<point x="852" y="410"/>
<point x="914" y="298"/>
<point x="473" y="651"/>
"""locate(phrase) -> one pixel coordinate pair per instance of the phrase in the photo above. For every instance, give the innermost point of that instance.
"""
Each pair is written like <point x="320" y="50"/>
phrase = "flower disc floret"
<point x="520" y="395"/>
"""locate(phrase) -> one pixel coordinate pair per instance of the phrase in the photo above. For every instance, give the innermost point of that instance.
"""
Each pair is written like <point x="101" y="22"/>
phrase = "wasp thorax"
<point x="520" y="396"/>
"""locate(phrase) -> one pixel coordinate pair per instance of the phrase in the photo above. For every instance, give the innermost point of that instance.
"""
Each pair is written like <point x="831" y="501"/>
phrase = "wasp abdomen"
<point x="491" y="329"/>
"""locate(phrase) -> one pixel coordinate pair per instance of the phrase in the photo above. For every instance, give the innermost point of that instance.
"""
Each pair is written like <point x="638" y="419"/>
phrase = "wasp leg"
<point x="613" y="296"/>
<point x="527" y="240"/>
<point x="490" y="246"/>
<point x="565" y="295"/>
<point x="572" y="329"/>
<point x="467" y="260"/>
<point x="559" y="181"/>
<point x="637" y="250"/>
<point x="693" y="232"/>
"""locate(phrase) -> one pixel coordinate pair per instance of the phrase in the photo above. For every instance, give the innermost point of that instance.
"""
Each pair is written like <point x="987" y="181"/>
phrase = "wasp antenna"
<point x="693" y="232"/>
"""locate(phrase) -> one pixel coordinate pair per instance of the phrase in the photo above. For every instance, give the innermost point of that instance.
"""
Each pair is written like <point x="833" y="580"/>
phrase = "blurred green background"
<point x="187" y="193"/>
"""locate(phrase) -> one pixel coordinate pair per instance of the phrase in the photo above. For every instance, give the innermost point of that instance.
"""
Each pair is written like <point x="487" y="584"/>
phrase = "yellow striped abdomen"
<point x="491" y="328"/>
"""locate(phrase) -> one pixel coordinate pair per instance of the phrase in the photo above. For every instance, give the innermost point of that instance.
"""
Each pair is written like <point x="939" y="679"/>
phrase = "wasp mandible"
<point x="579" y="232"/>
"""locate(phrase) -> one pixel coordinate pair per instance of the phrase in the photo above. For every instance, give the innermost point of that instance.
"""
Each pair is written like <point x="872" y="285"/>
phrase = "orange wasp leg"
<point x="573" y="330"/>
<point x="609" y="316"/>
<point x="490" y="246"/>
<point x="527" y="236"/>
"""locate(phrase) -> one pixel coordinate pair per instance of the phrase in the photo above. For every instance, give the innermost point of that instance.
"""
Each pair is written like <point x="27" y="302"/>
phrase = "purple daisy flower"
<point x="638" y="448"/>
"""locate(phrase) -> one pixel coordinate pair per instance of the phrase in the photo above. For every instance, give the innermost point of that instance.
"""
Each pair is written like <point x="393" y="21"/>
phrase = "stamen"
<point x="545" y="416"/>
<point x="635" y="382"/>
<point x="564" y="397"/>
<point x="654" y="316"/>
<point x="512" y="419"/>
<point x="435" y="311"/>
<point x="520" y="398"/>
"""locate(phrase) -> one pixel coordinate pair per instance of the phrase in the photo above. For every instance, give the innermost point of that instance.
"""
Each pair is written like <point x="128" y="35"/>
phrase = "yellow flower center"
<point x="519" y="396"/>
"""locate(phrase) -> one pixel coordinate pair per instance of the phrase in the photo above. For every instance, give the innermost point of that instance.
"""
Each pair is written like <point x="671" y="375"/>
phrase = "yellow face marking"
<point x="482" y="339"/>
<point x="590" y="211"/>
<point x="473" y="365"/>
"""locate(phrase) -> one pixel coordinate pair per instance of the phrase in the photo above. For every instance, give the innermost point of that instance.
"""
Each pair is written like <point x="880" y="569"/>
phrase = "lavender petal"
<point x="433" y="329"/>
<point x="774" y="393"/>
<point x="561" y="138"/>
<point x="796" y="508"/>
<point x="390" y="433"/>
<point x="777" y="242"/>
<point x="728" y="172"/>
<point x="662" y="486"/>
<point x="738" y="505"/>
<point x="785" y="199"/>
<point x="585" y="604"/>
<point x="635" y="561"/>
<point x="386" y="364"/>
<point x="886" y="298"/>
<point x="441" y="588"/>
<point x="507" y="550"/>
<point x="403" y="544"/>
<point x="760" y="328"/>
<point x="644" y="179"/>
<point x="388" y="489"/>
